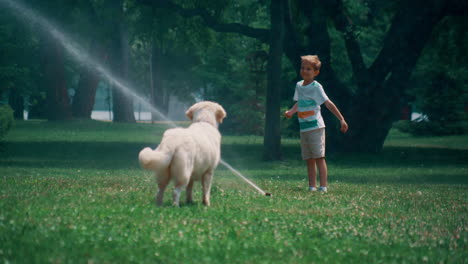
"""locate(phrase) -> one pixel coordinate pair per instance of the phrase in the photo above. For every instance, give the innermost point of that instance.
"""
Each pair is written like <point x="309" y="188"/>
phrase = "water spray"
<point x="244" y="178"/>
<point x="81" y="56"/>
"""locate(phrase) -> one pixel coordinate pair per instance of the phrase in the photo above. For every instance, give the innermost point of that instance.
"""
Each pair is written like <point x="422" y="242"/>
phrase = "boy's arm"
<point x="332" y="107"/>
<point x="291" y="111"/>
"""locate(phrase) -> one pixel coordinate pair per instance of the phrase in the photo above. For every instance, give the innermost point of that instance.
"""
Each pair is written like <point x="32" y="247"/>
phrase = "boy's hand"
<point x="344" y="126"/>
<point x="288" y="114"/>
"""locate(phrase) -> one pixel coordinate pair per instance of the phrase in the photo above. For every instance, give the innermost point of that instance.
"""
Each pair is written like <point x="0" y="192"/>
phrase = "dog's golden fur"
<point x="188" y="154"/>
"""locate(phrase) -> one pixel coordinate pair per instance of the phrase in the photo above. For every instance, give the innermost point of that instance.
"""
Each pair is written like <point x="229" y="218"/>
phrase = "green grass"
<point x="73" y="192"/>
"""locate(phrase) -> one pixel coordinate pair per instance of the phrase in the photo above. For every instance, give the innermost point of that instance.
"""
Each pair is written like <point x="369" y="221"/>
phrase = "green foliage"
<point x="73" y="192"/>
<point x="438" y="85"/>
<point x="247" y="117"/>
<point x="403" y="126"/>
<point x="443" y="103"/>
<point x="6" y="120"/>
<point x="200" y="63"/>
<point x="371" y="20"/>
<point x="237" y="80"/>
<point x="18" y="59"/>
<point x="443" y="100"/>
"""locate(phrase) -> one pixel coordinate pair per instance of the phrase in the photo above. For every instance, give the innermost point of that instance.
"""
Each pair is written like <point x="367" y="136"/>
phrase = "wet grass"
<point x="73" y="192"/>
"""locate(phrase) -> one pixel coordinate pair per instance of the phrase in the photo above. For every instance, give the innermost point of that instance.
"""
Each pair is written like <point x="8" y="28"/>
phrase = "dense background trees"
<point x="377" y="57"/>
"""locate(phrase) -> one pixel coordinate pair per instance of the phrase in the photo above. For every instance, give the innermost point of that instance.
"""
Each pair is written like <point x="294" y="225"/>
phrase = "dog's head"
<point x="206" y="111"/>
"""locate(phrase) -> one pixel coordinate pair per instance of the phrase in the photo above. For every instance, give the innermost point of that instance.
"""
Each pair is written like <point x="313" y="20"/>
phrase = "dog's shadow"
<point x="169" y="204"/>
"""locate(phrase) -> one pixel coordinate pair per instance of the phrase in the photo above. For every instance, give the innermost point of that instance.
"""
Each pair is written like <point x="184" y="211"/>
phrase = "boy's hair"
<point x="313" y="60"/>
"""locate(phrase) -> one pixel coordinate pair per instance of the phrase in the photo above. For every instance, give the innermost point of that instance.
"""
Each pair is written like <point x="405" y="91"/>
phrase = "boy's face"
<point x="308" y="72"/>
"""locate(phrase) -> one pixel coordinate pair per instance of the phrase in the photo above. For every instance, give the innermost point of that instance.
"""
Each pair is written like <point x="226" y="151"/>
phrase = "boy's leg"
<point x="312" y="172"/>
<point x="323" y="171"/>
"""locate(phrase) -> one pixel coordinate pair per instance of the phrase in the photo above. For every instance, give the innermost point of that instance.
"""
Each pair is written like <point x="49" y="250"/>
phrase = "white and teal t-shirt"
<point x="309" y="98"/>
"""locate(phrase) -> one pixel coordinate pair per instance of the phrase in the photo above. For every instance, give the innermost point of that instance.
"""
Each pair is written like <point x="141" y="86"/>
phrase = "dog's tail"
<point x="154" y="160"/>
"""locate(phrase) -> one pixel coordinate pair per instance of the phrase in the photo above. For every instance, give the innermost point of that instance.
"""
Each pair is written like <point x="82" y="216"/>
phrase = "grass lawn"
<point x="73" y="192"/>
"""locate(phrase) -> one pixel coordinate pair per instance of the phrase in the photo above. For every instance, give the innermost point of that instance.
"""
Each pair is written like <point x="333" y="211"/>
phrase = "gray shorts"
<point x="313" y="144"/>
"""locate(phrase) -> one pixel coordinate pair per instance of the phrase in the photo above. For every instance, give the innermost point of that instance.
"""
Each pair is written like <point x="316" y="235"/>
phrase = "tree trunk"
<point x="83" y="101"/>
<point x="371" y="111"/>
<point x="57" y="100"/>
<point x="272" y="138"/>
<point x="16" y="101"/>
<point x="159" y="93"/>
<point x="377" y="105"/>
<point x="122" y="102"/>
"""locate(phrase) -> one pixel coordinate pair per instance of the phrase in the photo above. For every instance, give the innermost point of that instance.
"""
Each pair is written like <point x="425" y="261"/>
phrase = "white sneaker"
<point x="322" y="189"/>
<point x="312" y="189"/>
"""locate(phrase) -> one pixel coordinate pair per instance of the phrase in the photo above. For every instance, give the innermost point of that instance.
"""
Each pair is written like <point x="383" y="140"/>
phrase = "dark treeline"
<point x="378" y="57"/>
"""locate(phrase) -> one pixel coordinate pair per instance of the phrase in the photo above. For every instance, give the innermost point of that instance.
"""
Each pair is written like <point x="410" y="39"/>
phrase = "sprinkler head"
<point x="267" y="194"/>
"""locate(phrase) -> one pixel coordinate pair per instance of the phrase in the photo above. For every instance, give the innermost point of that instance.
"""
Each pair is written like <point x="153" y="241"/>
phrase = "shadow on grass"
<point x="92" y="155"/>
<point x="404" y="179"/>
<point x="389" y="157"/>
<point x="428" y="164"/>
<point x="393" y="165"/>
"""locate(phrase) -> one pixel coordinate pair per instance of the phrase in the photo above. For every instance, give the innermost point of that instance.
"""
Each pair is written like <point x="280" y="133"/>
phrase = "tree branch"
<point x="260" y="34"/>
<point x="344" y="24"/>
<point x="292" y="46"/>
<point x="410" y="30"/>
<point x="457" y="8"/>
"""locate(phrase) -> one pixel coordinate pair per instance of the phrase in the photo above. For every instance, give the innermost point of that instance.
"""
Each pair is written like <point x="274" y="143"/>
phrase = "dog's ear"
<point x="220" y="115"/>
<point x="189" y="113"/>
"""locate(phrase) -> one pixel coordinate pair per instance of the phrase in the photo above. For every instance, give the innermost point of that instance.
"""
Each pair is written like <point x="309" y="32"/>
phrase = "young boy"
<point x="310" y="95"/>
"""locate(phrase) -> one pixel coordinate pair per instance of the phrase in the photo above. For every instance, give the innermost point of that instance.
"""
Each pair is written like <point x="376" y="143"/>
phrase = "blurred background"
<point x="385" y="63"/>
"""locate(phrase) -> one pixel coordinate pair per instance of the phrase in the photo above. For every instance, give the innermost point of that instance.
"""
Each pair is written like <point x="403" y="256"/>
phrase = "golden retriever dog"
<point x="188" y="154"/>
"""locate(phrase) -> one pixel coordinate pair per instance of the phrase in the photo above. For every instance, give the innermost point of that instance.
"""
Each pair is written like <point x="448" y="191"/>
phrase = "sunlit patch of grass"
<point x="69" y="194"/>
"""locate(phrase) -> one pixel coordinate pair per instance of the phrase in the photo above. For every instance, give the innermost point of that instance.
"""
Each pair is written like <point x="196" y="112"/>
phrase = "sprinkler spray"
<point x="245" y="179"/>
<point x="80" y="56"/>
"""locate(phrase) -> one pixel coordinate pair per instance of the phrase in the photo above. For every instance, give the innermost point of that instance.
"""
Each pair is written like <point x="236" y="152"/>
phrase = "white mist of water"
<point x="244" y="178"/>
<point x="81" y="56"/>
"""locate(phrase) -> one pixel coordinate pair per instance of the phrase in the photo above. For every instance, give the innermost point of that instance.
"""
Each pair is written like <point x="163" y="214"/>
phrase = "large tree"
<point x="57" y="100"/>
<point x="84" y="99"/>
<point x="19" y="58"/>
<point x="120" y="63"/>
<point x="374" y="105"/>
<point x="99" y="44"/>
<point x="54" y="59"/>
<point x="51" y="71"/>
<point x="272" y="140"/>
<point x="370" y="99"/>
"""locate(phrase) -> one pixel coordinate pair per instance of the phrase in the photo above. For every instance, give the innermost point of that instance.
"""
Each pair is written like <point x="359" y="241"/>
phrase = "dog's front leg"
<point x="176" y="195"/>
<point x="206" y="184"/>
